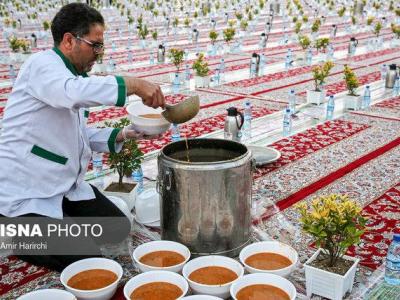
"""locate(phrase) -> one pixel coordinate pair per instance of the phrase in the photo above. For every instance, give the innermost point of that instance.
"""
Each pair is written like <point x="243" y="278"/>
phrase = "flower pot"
<point x="316" y="97"/>
<point x="326" y="284"/>
<point x="352" y="102"/>
<point x="129" y="198"/>
<point x="202" y="81"/>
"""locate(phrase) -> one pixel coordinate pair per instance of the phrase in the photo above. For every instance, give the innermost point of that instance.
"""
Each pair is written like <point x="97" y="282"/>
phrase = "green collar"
<point x="68" y="64"/>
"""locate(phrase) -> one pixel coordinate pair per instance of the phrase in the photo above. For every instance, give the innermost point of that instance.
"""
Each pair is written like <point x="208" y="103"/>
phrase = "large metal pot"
<point x="206" y="201"/>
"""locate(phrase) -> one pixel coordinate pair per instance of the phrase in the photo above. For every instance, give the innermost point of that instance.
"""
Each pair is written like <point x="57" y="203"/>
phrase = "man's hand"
<point x="150" y="93"/>
<point x="128" y="133"/>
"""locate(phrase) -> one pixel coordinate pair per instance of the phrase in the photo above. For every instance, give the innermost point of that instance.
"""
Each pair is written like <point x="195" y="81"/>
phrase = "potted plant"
<point x="297" y="27"/>
<point x="336" y="223"/>
<point x="377" y="28"/>
<point x="341" y="11"/>
<point x="317" y="96"/>
<point x="213" y="37"/>
<point x="370" y="19"/>
<point x="353" y="100"/>
<point x="396" y="32"/>
<point x="243" y="26"/>
<point x="304" y="42"/>
<point x="315" y="28"/>
<point x="321" y="44"/>
<point x="228" y="34"/>
<point x="176" y="56"/>
<point x="201" y="77"/>
<point x="143" y="32"/>
<point x="124" y="163"/>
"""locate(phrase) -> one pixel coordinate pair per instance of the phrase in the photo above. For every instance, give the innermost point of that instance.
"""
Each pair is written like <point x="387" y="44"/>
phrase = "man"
<point x="45" y="146"/>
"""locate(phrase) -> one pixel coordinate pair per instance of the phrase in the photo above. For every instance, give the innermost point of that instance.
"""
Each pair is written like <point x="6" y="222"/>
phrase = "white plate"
<point x="264" y="155"/>
<point x="151" y="224"/>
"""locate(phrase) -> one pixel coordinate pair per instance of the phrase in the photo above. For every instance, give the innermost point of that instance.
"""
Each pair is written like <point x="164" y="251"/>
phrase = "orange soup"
<point x="268" y="261"/>
<point x="162" y="259"/>
<point x="151" y="116"/>
<point x="213" y="275"/>
<point x="261" y="292"/>
<point x="92" y="279"/>
<point x="157" y="291"/>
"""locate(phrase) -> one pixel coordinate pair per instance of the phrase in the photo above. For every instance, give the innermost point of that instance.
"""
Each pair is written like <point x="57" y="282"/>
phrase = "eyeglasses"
<point x="96" y="46"/>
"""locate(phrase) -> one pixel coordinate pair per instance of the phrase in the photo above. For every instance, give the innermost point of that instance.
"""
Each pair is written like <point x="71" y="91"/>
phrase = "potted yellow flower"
<point x="353" y="100"/>
<point x="336" y="223"/>
<point x="320" y="72"/>
<point x="200" y="66"/>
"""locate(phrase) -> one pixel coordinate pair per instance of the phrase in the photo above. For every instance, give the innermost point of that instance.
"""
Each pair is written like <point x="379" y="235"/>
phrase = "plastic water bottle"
<point x="287" y="122"/>
<point x="175" y="133"/>
<point x="246" y="129"/>
<point x="330" y="108"/>
<point x="292" y="102"/>
<point x="309" y="56"/>
<point x="383" y="72"/>
<point x="130" y="56"/>
<point x="287" y="62"/>
<point x="152" y="57"/>
<point x="262" y="64"/>
<point x="222" y="70"/>
<point x="176" y="84"/>
<point x="187" y="76"/>
<point x="392" y="271"/>
<point x="111" y="64"/>
<point x="97" y="160"/>
<point x="252" y="69"/>
<point x="137" y="177"/>
<point x="113" y="46"/>
<point x="331" y="52"/>
<point x="289" y="53"/>
<point x="396" y="87"/>
<point x="367" y="98"/>
<point x="12" y="73"/>
<point x="217" y="77"/>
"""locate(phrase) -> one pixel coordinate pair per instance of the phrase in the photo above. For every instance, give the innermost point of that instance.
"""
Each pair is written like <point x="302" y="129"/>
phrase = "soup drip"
<point x="213" y="275"/>
<point x="92" y="279"/>
<point x="151" y="116"/>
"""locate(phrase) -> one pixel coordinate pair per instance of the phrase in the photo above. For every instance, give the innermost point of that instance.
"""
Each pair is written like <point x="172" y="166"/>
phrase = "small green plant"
<point x="321" y="44"/>
<point x="239" y="16"/>
<point x="130" y="20"/>
<point x="294" y="19"/>
<point x="353" y="20"/>
<point x="175" y="23"/>
<point x="129" y="158"/>
<point x="261" y="4"/>
<point x="200" y="65"/>
<point x="195" y="14"/>
<point x="397" y="12"/>
<point x="335" y="222"/>
<point x="304" y="41"/>
<point x="305" y="19"/>
<point x="154" y="34"/>
<point x="228" y="33"/>
<point x="315" y="26"/>
<point x="341" y="11"/>
<point x="143" y="32"/>
<point x="186" y="22"/>
<point x="14" y="43"/>
<point x="370" y="19"/>
<point x="395" y="30"/>
<point x="297" y="27"/>
<point x="176" y="56"/>
<point x="378" y="28"/>
<point x="320" y="73"/>
<point x="243" y="25"/>
<point x="140" y="21"/>
<point x="231" y="23"/>
<point x="213" y="35"/>
<point x="351" y="81"/>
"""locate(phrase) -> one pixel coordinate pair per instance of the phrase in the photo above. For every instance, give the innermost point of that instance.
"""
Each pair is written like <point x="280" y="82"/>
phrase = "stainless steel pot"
<point x="205" y="203"/>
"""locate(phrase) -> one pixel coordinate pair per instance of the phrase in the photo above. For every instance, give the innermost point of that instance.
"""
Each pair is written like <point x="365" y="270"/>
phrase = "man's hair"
<point x="75" y="18"/>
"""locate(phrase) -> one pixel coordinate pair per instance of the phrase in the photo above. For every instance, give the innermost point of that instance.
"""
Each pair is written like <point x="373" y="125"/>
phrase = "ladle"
<point x="183" y="111"/>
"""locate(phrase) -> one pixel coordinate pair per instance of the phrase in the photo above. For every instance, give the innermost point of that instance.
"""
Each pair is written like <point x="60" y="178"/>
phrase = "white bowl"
<point x="149" y="247"/>
<point x="273" y="247"/>
<point x="155" y="276"/>
<point x="222" y="290"/>
<point x="122" y="206"/>
<point x="89" y="264"/>
<point x="263" y="278"/>
<point x="48" y="294"/>
<point x="147" y="126"/>
<point x="147" y="206"/>
<point x="201" y="297"/>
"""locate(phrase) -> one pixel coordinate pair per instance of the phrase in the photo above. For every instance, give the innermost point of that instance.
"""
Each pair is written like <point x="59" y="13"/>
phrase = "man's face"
<point x="84" y="55"/>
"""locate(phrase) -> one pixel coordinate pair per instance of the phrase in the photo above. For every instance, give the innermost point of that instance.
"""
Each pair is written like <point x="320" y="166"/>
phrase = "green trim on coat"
<point x="121" y="91"/>
<point x="112" y="139"/>
<point x="43" y="153"/>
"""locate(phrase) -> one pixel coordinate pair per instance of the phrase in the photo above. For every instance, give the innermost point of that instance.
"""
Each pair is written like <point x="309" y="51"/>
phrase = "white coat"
<point x="45" y="146"/>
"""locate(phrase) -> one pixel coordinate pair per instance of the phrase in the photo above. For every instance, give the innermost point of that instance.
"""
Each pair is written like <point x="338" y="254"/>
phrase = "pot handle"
<point x="160" y="182"/>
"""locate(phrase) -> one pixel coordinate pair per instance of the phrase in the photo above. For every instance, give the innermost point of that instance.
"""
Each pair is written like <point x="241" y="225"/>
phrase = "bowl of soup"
<point x="92" y="278"/>
<point x="269" y="257"/>
<point x="156" y="285"/>
<point x="146" y="119"/>
<point x="48" y="294"/>
<point x="212" y="275"/>
<point x="201" y="297"/>
<point x="262" y="286"/>
<point x="161" y="255"/>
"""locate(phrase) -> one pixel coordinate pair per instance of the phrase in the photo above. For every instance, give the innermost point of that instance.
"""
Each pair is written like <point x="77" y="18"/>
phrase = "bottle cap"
<point x="396" y="237"/>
